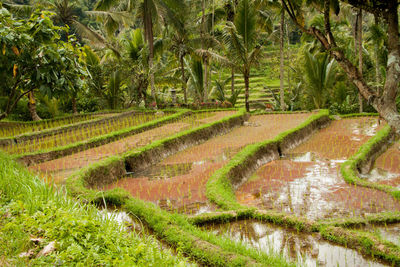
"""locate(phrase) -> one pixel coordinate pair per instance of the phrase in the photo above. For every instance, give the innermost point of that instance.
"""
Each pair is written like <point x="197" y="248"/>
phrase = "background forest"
<point x="83" y="56"/>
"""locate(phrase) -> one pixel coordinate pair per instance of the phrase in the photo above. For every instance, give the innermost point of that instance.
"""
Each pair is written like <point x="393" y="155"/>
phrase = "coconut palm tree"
<point x="320" y="72"/>
<point x="241" y="39"/>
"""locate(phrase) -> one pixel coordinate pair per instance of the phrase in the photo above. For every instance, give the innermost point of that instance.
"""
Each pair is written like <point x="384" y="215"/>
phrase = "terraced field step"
<point x="61" y="168"/>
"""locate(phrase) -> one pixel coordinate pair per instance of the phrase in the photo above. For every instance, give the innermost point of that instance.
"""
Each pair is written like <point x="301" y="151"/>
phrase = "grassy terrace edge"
<point x="219" y="186"/>
<point x="364" y="159"/>
<point x="43" y="155"/>
<point x="29" y="208"/>
<point x="175" y="229"/>
<point x="220" y="191"/>
<point x="62" y="128"/>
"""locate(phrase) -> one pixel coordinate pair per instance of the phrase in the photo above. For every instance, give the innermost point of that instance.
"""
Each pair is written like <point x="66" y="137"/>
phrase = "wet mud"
<point x="178" y="182"/>
<point x="305" y="249"/>
<point x="386" y="169"/>
<point x="59" y="169"/>
<point x="307" y="182"/>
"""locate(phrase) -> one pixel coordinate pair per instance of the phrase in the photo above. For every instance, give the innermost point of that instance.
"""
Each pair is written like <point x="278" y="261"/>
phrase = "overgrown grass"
<point x="32" y="210"/>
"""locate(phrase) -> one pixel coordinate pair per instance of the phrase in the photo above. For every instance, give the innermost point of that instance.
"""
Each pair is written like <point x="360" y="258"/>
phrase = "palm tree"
<point x="241" y="39"/>
<point x="281" y="66"/>
<point x="320" y="72"/>
<point x="196" y="78"/>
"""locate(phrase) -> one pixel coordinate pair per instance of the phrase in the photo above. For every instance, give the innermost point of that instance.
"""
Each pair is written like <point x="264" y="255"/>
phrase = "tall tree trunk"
<point x="233" y="81"/>
<point x="377" y="69"/>
<point x="148" y="26"/>
<point x="203" y="46"/>
<point x="32" y="107"/>
<point x="385" y="104"/>
<point x="205" y="97"/>
<point x="360" y="58"/>
<point x="246" y="77"/>
<point x="281" y="67"/>
<point x="183" y="80"/>
<point x="74" y="108"/>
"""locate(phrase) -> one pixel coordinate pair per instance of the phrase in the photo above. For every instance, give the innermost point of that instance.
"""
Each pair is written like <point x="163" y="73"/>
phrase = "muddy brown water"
<point x="306" y="250"/>
<point x="130" y="223"/>
<point x="307" y="182"/>
<point x="389" y="232"/>
<point x="387" y="167"/>
<point x="59" y="169"/>
<point x="178" y="182"/>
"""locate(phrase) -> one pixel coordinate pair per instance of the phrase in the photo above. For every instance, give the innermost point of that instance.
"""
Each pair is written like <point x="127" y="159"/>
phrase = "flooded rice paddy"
<point x="306" y="250"/>
<point x="59" y="169"/>
<point x="178" y="182"/>
<point x="387" y="167"/>
<point x="307" y="182"/>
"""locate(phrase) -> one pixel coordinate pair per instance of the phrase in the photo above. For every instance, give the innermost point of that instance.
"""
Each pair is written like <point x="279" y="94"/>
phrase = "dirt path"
<point x="307" y="180"/>
<point x="61" y="168"/>
<point x="179" y="181"/>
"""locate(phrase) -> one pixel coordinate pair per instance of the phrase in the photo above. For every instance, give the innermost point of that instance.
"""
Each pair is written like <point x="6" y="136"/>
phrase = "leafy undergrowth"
<point x="41" y="226"/>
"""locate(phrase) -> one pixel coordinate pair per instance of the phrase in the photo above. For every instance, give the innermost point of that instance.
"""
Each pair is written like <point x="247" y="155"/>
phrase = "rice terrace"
<point x="199" y="133"/>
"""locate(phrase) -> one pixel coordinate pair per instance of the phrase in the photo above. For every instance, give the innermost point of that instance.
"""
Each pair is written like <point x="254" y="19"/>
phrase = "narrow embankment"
<point x="179" y="181"/>
<point x="59" y="169"/>
<point x="174" y="229"/>
<point x="306" y="181"/>
<point x="220" y="190"/>
<point x="61" y="136"/>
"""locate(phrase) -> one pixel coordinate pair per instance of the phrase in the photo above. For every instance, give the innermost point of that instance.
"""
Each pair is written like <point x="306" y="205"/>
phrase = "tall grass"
<point x="31" y="209"/>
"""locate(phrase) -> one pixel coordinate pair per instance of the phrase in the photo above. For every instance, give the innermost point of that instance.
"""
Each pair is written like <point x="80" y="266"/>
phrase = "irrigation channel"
<point x="178" y="182"/>
<point x="58" y="169"/>
<point x="306" y="182"/>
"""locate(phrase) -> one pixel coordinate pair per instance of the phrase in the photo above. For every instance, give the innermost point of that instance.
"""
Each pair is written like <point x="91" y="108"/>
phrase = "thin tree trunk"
<point x="246" y="92"/>
<point x="233" y="81"/>
<point x="205" y="97"/>
<point x="32" y="107"/>
<point x="74" y="108"/>
<point x="377" y="69"/>
<point x="360" y="58"/>
<point x="203" y="46"/>
<point x="148" y="22"/>
<point x="385" y="104"/>
<point x="183" y="80"/>
<point x="281" y="68"/>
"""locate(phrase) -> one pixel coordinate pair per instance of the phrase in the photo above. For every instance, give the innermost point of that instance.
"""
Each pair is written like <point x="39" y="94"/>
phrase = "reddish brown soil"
<point x="341" y="139"/>
<point x="187" y="189"/>
<point x="310" y="184"/>
<point x="389" y="166"/>
<point x="61" y="168"/>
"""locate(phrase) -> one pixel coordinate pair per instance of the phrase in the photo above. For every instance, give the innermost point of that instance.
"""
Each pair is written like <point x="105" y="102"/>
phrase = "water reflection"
<point x="308" y="250"/>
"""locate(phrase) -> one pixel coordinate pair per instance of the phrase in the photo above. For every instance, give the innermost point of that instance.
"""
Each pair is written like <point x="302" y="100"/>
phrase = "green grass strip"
<point x="175" y="229"/>
<point x="349" y="169"/>
<point x="113" y="167"/>
<point x="104" y="139"/>
<point x="219" y="187"/>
